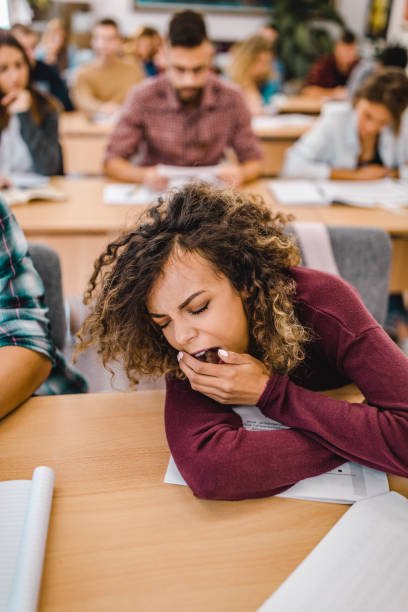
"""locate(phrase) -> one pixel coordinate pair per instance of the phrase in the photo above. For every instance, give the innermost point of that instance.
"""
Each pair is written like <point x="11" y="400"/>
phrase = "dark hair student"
<point x="211" y="274"/>
<point x="28" y="118"/>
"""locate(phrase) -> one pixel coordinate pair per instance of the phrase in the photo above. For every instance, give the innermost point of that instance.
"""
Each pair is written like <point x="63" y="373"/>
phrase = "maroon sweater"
<point x="219" y="459"/>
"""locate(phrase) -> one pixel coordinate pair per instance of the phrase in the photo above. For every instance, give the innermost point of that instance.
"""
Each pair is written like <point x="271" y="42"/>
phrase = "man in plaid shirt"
<point x="185" y="117"/>
<point x="29" y="361"/>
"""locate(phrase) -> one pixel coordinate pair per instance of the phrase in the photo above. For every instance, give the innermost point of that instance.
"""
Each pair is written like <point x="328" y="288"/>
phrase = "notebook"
<point x="15" y="195"/>
<point x="25" y="507"/>
<point x="390" y="194"/>
<point x="345" y="484"/>
<point x="361" y="565"/>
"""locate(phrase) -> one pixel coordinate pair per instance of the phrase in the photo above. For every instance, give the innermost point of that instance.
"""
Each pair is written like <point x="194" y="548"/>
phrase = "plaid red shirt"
<point x="325" y="73"/>
<point x="155" y="125"/>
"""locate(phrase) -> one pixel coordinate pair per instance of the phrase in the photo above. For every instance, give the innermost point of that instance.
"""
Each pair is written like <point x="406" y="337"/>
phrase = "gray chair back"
<point x="46" y="262"/>
<point x="363" y="258"/>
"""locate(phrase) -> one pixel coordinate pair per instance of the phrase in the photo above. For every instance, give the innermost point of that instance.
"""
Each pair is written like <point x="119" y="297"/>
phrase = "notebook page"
<point x="386" y="193"/>
<point x="32" y="504"/>
<point x="14" y="496"/>
<point x="297" y="192"/>
<point x="360" y="565"/>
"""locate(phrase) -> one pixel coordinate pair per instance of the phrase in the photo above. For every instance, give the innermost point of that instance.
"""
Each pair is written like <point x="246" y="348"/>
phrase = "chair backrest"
<point x="46" y="262"/>
<point x="363" y="258"/>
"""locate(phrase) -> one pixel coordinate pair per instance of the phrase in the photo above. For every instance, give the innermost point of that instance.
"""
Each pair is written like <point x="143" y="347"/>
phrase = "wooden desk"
<point x="306" y="105"/>
<point x="120" y="539"/>
<point x="275" y="142"/>
<point x="80" y="227"/>
<point x="83" y="143"/>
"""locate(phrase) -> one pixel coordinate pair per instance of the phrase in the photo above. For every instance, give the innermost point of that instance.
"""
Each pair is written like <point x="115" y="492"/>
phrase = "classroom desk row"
<point x="84" y="144"/>
<point x="79" y="227"/>
<point x="121" y="539"/>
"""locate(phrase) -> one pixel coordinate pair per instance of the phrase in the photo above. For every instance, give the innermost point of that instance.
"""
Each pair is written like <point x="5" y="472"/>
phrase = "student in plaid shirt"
<point x="29" y="361"/>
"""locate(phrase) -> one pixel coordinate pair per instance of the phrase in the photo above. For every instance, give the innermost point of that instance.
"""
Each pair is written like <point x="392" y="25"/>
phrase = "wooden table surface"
<point x="121" y="539"/>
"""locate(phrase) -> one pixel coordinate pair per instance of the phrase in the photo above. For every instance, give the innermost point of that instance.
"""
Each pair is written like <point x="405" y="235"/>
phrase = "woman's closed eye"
<point x="199" y="310"/>
<point x="195" y="312"/>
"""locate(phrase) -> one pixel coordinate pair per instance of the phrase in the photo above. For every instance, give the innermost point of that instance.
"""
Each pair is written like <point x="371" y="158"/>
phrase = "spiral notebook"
<point x="25" y="507"/>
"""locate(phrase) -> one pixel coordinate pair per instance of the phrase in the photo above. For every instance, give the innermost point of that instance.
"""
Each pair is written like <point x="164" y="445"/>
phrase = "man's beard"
<point x="190" y="96"/>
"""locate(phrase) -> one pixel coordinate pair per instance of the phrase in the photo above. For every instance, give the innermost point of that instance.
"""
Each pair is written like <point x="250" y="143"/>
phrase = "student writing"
<point x="366" y="140"/>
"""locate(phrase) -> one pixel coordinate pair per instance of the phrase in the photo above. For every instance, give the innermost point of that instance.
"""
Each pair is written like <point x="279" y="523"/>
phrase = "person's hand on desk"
<point x="371" y="172"/>
<point x="4" y="182"/>
<point x="17" y="101"/>
<point x="153" y="179"/>
<point x="239" y="379"/>
<point x="109" y="108"/>
<point x="231" y="174"/>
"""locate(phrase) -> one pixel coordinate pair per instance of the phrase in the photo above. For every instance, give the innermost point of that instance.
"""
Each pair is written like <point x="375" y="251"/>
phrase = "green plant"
<point x="301" y="39"/>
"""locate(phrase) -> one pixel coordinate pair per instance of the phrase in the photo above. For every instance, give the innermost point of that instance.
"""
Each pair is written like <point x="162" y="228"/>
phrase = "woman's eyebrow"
<point x="182" y="305"/>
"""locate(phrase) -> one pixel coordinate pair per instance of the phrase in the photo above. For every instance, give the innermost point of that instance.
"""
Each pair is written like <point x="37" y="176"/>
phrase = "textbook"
<point x="361" y="564"/>
<point x="345" y="484"/>
<point x="25" y="507"/>
<point x="16" y="195"/>
<point x="388" y="193"/>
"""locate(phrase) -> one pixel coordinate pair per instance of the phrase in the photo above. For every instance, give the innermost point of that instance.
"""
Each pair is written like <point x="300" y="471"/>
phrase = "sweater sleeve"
<point x="311" y="156"/>
<point x="219" y="459"/>
<point x="374" y="433"/>
<point x="42" y="142"/>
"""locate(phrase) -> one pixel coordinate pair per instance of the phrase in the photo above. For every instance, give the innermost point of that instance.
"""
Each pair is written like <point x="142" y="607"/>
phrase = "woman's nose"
<point x="184" y="334"/>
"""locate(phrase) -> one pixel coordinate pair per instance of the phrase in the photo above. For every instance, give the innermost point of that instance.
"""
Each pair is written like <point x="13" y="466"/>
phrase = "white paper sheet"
<point x="298" y="192"/>
<point x="265" y="122"/>
<point x="25" y="507"/>
<point x="179" y="175"/>
<point x="128" y="194"/>
<point x="386" y="193"/>
<point x="122" y="193"/>
<point x="361" y="565"/>
<point x="345" y="484"/>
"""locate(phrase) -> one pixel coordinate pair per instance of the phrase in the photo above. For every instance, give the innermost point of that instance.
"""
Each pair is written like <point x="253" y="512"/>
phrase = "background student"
<point x="46" y="77"/>
<point x="144" y="47"/>
<point x="101" y="86"/>
<point x="392" y="56"/>
<point x="251" y="69"/>
<point x="213" y="272"/>
<point x="186" y="117"/>
<point x="29" y="361"/>
<point x="329" y="74"/>
<point x="28" y="118"/>
<point x="366" y="140"/>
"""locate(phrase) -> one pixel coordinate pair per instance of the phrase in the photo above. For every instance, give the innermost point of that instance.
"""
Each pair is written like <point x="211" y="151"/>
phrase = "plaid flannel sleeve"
<point x="23" y="315"/>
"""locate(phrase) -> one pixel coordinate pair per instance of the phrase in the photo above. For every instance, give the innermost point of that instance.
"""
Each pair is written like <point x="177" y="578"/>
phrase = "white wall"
<point x="219" y="25"/>
<point x="398" y="31"/>
<point x="354" y="13"/>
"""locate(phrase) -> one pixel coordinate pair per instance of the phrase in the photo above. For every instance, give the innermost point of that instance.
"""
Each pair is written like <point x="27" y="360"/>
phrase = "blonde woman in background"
<point x="252" y="69"/>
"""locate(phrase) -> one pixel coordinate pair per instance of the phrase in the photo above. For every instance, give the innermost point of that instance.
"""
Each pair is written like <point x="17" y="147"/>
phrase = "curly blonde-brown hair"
<point x="239" y="236"/>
